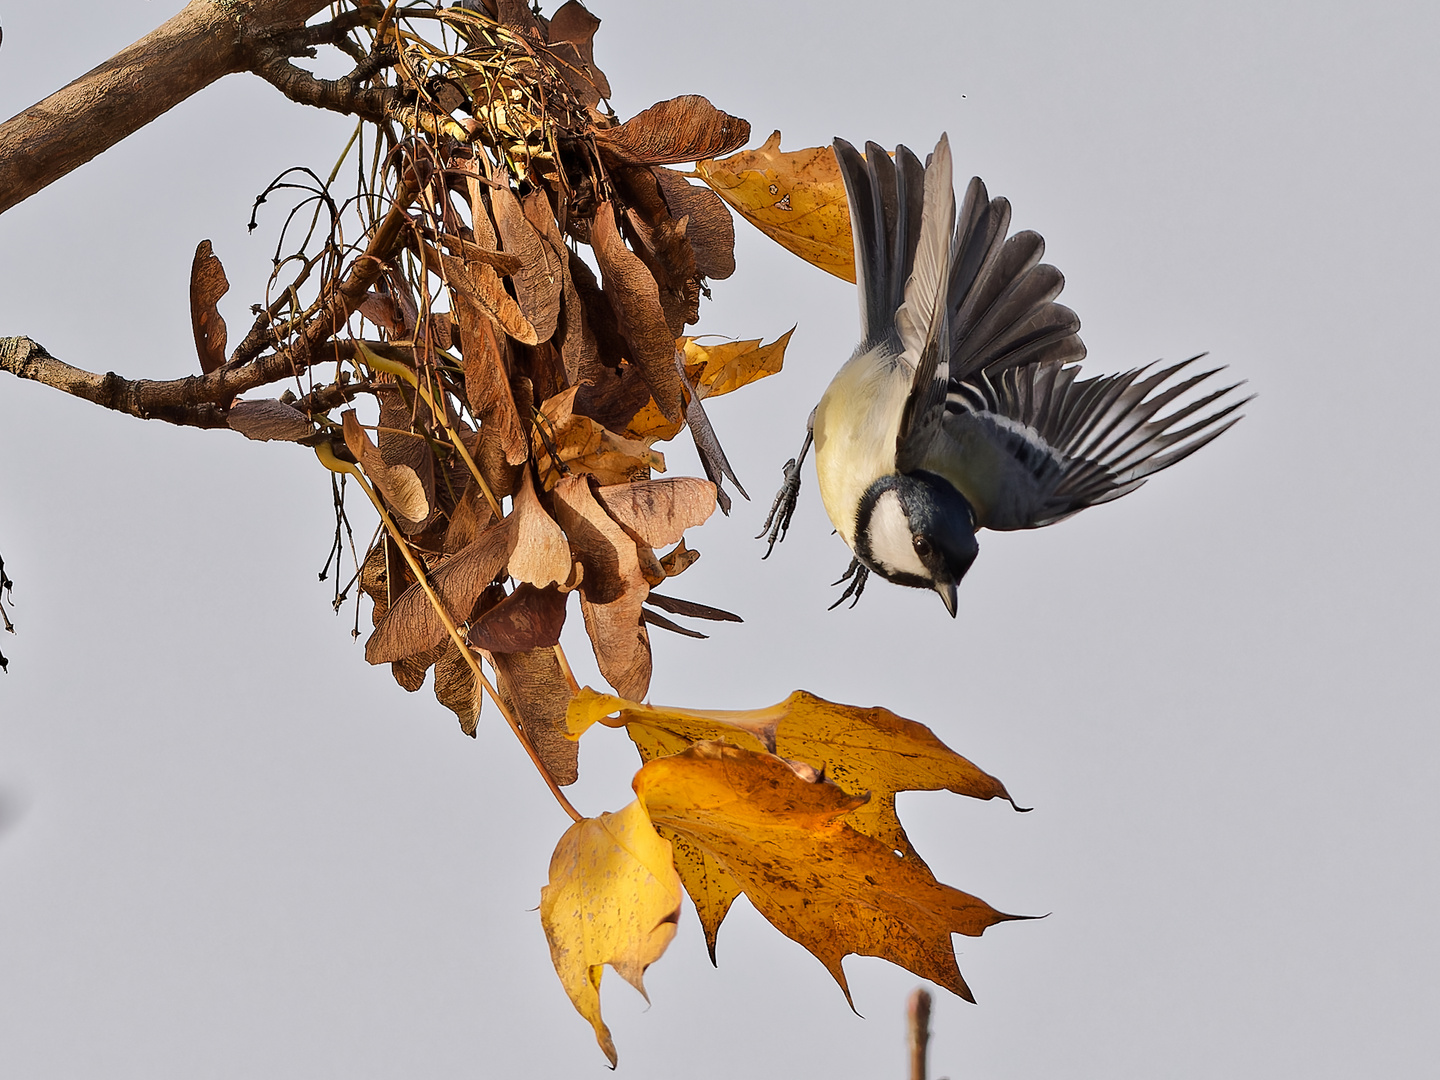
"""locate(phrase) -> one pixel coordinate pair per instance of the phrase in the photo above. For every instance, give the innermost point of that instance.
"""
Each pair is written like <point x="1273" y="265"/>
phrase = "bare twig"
<point x="918" y="1028"/>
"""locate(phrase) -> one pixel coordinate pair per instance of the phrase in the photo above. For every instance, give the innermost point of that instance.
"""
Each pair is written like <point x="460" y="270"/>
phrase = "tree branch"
<point x="205" y="41"/>
<point x="204" y="400"/>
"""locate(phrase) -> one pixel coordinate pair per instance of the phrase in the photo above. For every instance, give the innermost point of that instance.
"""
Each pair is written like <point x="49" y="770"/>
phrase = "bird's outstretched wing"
<point x="1034" y="444"/>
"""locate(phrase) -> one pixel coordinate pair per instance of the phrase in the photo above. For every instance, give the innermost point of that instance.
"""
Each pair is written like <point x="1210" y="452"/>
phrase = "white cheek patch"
<point x="891" y="542"/>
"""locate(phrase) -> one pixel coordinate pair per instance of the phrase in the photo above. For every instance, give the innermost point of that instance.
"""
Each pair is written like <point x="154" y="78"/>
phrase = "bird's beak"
<point x="946" y="589"/>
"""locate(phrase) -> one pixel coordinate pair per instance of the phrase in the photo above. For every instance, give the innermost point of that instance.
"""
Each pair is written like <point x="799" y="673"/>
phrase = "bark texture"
<point x="204" y="42"/>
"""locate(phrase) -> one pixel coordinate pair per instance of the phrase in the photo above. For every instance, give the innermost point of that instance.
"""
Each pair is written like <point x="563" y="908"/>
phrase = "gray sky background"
<point x="228" y="848"/>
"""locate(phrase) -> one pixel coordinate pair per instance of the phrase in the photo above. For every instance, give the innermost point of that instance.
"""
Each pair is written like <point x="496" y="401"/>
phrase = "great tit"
<point x="962" y="407"/>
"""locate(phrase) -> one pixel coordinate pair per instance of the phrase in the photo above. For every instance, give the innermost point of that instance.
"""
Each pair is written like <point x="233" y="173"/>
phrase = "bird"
<point x="963" y="407"/>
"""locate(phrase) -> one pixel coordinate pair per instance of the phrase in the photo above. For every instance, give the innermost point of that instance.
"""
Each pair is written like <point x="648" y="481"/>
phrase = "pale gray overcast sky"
<point x="231" y="849"/>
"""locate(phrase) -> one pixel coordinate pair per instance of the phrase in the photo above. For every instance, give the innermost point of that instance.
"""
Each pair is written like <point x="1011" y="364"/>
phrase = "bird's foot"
<point x="777" y="522"/>
<point x="858" y="575"/>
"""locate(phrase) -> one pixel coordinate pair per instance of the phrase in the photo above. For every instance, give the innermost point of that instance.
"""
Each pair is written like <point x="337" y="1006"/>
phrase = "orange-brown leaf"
<point x="207" y="285"/>
<point x="486" y="387"/>
<point x="457" y="689"/>
<point x="538" y="551"/>
<point x="680" y="559"/>
<point x="478" y="288"/>
<point x="708" y="225"/>
<point x="778" y="831"/>
<point x="717" y="368"/>
<point x="797" y="199"/>
<point x="568" y="442"/>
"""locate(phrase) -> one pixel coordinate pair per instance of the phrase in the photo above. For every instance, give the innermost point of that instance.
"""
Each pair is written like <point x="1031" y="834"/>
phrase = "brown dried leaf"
<point x="538" y="281"/>
<point x="207" y="285"/>
<point x="457" y="688"/>
<point x="612" y="590"/>
<point x="680" y="559"/>
<point x="575" y="27"/>
<point x="404" y="416"/>
<point x="657" y="512"/>
<point x="573" y="336"/>
<point x="708" y="225"/>
<point x="412" y="626"/>
<point x="635" y="297"/>
<point x="797" y="199"/>
<point x="565" y="442"/>
<point x="486" y="386"/>
<point x="686" y="128"/>
<point x="538" y="552"/>
<point x="401" y="488"/>
<point x="478" y="288"/>
<point x="269" y="419"/>
<point x="382" y="309"/>
<point x="529" y="618"/>
<point x="535" y="688"/>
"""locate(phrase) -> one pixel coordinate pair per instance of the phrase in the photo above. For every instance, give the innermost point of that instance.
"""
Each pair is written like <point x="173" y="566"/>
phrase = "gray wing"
<point x="1035" y="444"/>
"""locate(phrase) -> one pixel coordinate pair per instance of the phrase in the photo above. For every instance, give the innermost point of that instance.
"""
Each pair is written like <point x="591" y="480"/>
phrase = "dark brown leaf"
<point x="529" y="618"/>
<point x="692" y="609"/>
<point x="679" y="560"/>
<point x="486" y="386"/>
<point x="686" y="128"/>
<point x="575" y="27"/>
<point x="207" y="286"/>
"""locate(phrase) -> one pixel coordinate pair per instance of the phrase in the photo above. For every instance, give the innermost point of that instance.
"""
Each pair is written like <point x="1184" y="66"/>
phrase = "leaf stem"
<point x="330" y="461"/>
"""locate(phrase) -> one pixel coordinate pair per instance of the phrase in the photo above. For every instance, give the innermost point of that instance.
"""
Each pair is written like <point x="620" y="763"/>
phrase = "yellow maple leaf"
<point x="797" y="199"/>
<point x="613" y="898"/>
<point x="728" y="365"/>
<point x="565" y="441"/>
<point x="777" y="830"/>
<point x="863" y="750"/>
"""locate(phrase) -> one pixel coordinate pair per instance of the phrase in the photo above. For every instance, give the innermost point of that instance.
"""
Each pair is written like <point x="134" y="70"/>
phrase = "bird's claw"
<point x="858" y="575"/>
<point x="777" y="522"/>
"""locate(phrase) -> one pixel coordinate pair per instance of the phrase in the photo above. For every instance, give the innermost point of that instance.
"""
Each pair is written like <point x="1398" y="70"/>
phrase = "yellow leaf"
<point x="797" y="199"/>
<point x="862" y="749"/>
<point x="567" y="441"/>
<point x="729" y="365"/>
<point x="780" y="837"/>
<point x="613" y="898"/>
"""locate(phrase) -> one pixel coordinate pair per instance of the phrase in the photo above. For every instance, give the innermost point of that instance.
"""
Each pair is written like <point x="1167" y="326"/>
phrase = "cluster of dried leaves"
<point x="516" y="401"/>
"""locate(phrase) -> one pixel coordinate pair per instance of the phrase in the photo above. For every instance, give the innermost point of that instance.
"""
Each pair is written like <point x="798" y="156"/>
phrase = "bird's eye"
<point x="922" y="546"/>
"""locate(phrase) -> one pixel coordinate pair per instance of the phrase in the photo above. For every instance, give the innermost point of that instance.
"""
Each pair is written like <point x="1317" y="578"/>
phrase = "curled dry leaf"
<point x="538" y="551"/>
<point x="269" y="419"/>
<point x="635" y="297"/>
<point x="535" y="689"/>
<point x="781" y="837"/>
<point x="566" y="442"/>
<point x="678" y="560"/>
<point x="612" y="589"/>
<point x="718" y="367"/>
<point x="657" y="512"/>
<point x="797" y="199"/>
<point x="207" y="285"/>
<point x="399" y="485"/>
<point x="613" y="898"/>
<point x="686" y="128"/>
